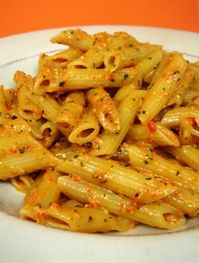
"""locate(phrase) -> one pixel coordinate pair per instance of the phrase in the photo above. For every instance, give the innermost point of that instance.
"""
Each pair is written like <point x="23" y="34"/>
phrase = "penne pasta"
<point x="74" y="38"/>
<point x="50" y="110"/>
<point x="26" y="108"/>
<point x="185" y="200"/>
<point x="49" y="133"/>
<point x="60" y="59"/>
<point x="22" y="183"/>
<point x="71" y="109"/>
<point x="75" y="79"/>
<point x="10" y="97"/>
<point x="93" y="58"/>
<point x="104" y="136"/>
<point x="58" y="79"/>
<point x="173" y="118"/>
<point x="109" y="143"/>
<point x="81" y="219"/>
<point x="190" y="95"/>
<point x="121" y="40"/>
<point x="125" y="90"/>
<point x="162" y="87"/>
<point x="153" y="133"/>
<point x="105" y="109"/>
<point x="142" y="156"/>
<point x="187" y="154"/>
<point x="182" y="87"/>
<point x="86" y="130"/>
<point x="94" y="196"/>
<point x="23" y="154"/>
<point x="118" y="59"/>
<point x="26" y="163"/>
<point x="44" y="191"/>
<point x="117" y="178"/>
<point x="3" y="106"/>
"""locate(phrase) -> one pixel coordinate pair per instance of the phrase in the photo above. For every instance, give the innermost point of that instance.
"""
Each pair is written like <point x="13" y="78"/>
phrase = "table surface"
<point x="22" y="15"/>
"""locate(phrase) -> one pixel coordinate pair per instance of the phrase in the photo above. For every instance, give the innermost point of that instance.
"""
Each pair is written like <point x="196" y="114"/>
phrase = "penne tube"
<point x="26" y="107"/>
<point x="188" y="132"/>
<point x="105" y="109"/>
<point x="189" y="128"/>
<point x="16" y="126"/>
<point x="150" y="62"/>
<point x="162" y="88"/>
<point x="187" y="154"/>
<point x="118" y="59"/>
<point x="181" y="88"/>
<point x="185" y="200"/>
<point x="190" y="95"/>
<point x="152" y="133"/>
<point x="74" y="38"/>
<point x="150" y="214"/>
<point x="58" y="79"/>
<point x="13" y="124"/>
<point x="10" y="97"/>
<point x="60" y="59"/>
<point x="31" y="213"/>
<point x="144" y="67"/>
<point x="195" y="67"/>
<point x="47" y="76"/>
<point x="161" y="215"/>
<point x="175" y="117"/>
<point x="23" y="154"/>
<point x="143" y="157"/>
<point x="48" y="105"/>
<point x="150" y="75"/>
<point x="94" y="196"/>
<point x="109" y="143"/>
<point x="71" y="109"/>
<point x="125" y="90"/>
<point x="79" y="219"/>
<point x="15" y="143"/>
<point x="187" y="120"/>
<point x="75" y="79"/>
<point x="44" y="191"/>
<point x="93" y="58"/>
<point x="25" y="163"/>
<point x="48" y="129"/>
<point x="49" y="133"/>
<point x="3" y="104"/>
<point x="159" y="69"/>
<point x="121" y="40"/>
<point x="195" y="83"/>
<point x="50" y="110"/>
<point x="86" y="130"/>
<point x="91" y="220"/>
<point x="22" y="183"/>
<point x="116" y="177"/>
<point x="101" y="39"/>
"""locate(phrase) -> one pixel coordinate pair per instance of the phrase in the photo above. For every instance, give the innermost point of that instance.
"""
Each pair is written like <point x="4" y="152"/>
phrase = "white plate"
<point x="22" y="241"/>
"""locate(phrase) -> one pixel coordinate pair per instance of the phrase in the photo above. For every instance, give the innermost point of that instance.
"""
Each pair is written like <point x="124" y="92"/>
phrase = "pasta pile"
<point x="105" y="136"/>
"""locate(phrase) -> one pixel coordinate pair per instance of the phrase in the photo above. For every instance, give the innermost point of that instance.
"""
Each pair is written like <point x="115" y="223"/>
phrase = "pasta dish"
<point x="105" y="136"/>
